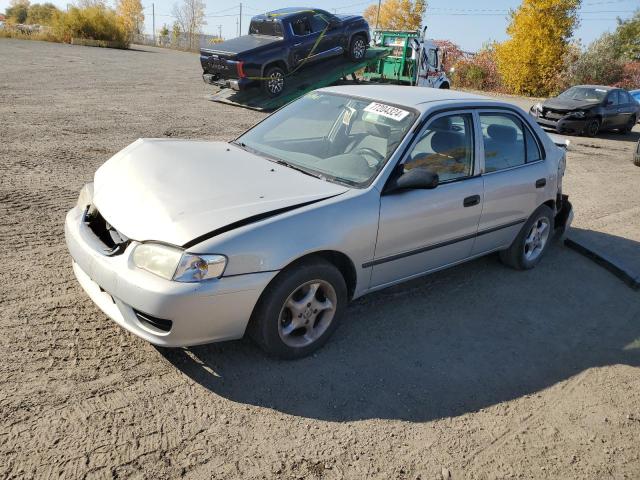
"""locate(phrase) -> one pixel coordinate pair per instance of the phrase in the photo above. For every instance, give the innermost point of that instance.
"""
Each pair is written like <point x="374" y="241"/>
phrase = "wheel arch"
<point x="275" y="63"/>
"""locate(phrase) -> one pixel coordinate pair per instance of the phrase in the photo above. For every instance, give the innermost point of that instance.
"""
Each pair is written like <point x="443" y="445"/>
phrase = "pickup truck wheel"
<point x="299" y="310"/>
<point x="274" y="81"/>
<point x="358" y="48"/>
<point x="533" y="240"/>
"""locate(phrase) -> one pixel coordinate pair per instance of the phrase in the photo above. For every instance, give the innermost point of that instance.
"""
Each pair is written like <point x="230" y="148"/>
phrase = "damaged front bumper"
<point x="163" y="312"/>
<point x="565" y="124"/>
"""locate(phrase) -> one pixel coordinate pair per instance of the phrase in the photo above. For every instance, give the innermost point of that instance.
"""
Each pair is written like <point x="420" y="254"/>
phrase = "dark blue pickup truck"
<point x="281" y="42"/>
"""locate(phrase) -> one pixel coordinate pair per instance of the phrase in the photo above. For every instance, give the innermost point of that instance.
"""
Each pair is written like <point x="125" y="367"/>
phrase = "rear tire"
<point x="299" y="310"/>
<point x="274" y="81"/>
<point x="444" y="86"/>
<point x="532" y="242"/>
<point x="629" y="126"/>
<point x="357" y="48"/>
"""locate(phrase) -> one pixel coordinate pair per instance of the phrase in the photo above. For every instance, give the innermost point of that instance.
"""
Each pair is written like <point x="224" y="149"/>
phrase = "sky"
<point x="469" y="23"/>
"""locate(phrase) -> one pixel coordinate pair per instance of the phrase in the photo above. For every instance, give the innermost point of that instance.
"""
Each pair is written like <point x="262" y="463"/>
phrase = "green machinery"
<point x="400" y="65"/>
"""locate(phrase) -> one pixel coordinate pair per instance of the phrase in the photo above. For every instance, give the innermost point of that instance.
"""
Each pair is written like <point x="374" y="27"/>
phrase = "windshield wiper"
<point x="299" y="169"/>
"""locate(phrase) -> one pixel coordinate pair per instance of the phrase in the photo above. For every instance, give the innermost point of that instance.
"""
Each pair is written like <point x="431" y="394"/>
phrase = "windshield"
<point x="340" y="138"/>
<point x="271" y="28"/>
<point x="588" y="94"/>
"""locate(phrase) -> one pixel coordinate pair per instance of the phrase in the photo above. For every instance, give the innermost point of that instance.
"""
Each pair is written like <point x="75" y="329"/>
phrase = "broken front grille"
<point x="114" y="242"/>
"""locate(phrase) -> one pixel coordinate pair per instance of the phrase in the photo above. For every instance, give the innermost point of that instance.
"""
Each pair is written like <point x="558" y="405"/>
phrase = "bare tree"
<point x="190" y="15"/>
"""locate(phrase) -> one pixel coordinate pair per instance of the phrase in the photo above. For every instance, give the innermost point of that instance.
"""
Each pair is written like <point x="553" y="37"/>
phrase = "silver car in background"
<point x="345" y="191"/>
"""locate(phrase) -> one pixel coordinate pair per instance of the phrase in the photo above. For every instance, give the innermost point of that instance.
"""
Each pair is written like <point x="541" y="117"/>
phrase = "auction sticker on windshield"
<point x="386" y="111"/>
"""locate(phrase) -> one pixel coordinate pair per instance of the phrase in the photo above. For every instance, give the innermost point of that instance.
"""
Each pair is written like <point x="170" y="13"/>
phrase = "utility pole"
<point x="153" y="23"/>
<point x="240" y="20"/>
<point x="378" y="14"/>
<point x="220" y="32"/>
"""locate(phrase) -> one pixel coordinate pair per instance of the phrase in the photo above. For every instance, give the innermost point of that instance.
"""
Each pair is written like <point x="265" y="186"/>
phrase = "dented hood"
<point x="177" y="190"/>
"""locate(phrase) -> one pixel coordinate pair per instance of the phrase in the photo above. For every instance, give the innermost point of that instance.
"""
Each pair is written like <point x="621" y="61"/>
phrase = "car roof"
<point x="286" y="12"/>
<point x="602" y="87"/>
<point x="416" y="97"/>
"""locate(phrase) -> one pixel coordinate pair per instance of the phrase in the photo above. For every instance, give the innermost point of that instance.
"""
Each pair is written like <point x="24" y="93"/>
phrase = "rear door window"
<point x="624" y="97"/>
<point x="504" y="141"/>
<point x="613" y="97"/>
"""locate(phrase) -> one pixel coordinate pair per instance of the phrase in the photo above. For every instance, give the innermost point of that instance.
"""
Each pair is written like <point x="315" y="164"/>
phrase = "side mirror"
<point x="608" y="103"/>
<point x="334" y="22"/>
<point x="416" y="178"/>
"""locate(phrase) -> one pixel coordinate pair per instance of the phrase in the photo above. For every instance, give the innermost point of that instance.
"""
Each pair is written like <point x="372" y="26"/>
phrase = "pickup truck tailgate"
<point x="218" y="65"/>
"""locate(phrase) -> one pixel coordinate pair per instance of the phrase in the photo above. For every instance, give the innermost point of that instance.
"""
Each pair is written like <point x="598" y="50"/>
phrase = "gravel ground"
<point x="475" y="372"/>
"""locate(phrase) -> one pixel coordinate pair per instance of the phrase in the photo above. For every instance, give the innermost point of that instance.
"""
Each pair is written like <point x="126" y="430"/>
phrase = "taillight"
<point x="240" y="69"/>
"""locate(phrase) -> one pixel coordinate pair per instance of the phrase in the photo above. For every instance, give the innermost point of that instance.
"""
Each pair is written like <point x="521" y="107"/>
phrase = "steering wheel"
<point x="373" y="153"/>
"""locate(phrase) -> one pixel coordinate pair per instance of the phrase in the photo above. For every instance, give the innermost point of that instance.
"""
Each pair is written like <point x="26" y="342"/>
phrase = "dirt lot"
<point x="478" y="371"/>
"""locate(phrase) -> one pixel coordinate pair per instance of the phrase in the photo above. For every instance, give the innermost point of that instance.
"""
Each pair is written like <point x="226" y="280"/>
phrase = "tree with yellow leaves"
<point x="131" y="16"/>
<point x="531" y="60"/>
<point x="396" y="14"/>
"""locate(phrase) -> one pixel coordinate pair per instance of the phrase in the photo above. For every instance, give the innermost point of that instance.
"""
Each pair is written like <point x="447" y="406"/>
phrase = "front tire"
<point x="274" y="81"/>
<point x="299" y="310"/>
<point x="533" y="240"/>
<point x="592" y="128"/>
<point x="357" y="48"/>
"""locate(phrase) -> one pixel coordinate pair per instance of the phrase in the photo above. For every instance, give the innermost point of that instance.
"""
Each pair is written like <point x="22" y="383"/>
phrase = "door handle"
<point x="297" y="44"/>
<point x="471" y="201"/>
<point x="541" y="182"/>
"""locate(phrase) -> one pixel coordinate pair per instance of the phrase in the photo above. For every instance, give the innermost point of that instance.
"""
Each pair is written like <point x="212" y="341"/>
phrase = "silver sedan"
<point x="343" y="192"/>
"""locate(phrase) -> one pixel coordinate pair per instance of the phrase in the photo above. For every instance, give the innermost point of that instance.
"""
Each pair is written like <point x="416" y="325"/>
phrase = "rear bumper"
<point x="239" y="84"/>
<point x="204" y="312"/>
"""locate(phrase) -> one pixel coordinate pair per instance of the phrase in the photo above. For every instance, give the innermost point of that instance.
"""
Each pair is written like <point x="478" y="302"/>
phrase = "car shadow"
<point x="450" y="343"/>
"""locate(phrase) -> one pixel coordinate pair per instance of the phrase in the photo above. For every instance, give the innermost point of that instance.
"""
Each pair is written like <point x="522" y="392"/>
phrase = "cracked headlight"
<point x="174" y="263"/>
<point x="86" y="196"/>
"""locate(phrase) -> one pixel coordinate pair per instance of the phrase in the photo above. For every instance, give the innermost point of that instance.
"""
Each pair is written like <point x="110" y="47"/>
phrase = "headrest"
<point x="502" y="133"/>
<point x="377" y="129"/>
<point x="442" y="123"/>
<point x="448" y="143"/>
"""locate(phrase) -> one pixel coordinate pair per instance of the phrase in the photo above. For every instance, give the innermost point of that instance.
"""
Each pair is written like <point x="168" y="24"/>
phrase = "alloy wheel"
<point x="359" y="48"/>
<point x="537" y="238"/>
<point x="307" y="313"/>
<point x="275" y="82"/>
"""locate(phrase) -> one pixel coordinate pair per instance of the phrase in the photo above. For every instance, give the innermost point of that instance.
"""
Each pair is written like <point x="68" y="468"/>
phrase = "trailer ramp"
<point x="307" y="79"/>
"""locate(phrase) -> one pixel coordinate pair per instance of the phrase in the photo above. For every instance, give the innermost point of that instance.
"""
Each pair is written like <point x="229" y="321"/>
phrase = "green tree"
<point x="17" y="11"/>
<point x="164" y="34"/>
<point x="41" y="14"/>
<point x="176" y="33"/>
<point x="628" y="37"/>
<point x="532" y="58"/>
<point x="599" y="64"/>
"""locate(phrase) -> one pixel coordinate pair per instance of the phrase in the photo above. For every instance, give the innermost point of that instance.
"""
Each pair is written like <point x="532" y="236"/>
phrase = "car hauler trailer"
<point x="301" y="82"/>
